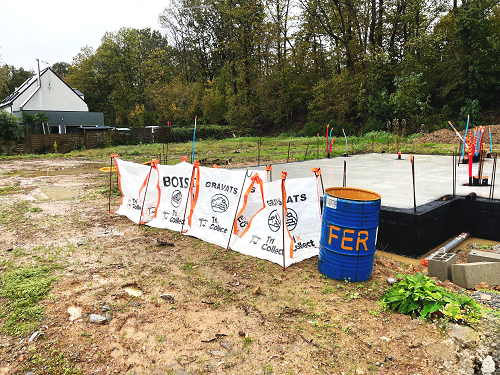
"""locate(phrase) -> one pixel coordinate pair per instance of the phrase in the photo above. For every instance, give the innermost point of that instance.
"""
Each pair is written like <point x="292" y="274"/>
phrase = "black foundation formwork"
<point x="404" y="232"/>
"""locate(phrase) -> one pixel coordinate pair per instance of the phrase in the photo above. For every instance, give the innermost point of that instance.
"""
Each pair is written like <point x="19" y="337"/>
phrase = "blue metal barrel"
<point x="348" y="233"/>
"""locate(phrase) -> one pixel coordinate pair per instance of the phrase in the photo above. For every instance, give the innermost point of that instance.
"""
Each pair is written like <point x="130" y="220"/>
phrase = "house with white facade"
<point x="47" y="93"/>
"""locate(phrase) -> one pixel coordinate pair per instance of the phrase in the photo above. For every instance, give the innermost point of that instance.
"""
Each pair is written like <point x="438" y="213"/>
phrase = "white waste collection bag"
<point x="174" y="181"/>
<point x="137" y="182"/>
<point x="215" y="205"/>
<point x="265" y="233"/>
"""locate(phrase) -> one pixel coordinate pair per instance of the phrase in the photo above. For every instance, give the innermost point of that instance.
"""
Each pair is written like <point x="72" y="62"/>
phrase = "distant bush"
<point x="10" y="128"/>
<point x="185" y="134"/>
<point x="311" y="129"/>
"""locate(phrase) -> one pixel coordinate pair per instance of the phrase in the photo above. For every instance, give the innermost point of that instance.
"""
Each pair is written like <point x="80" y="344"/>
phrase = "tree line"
<point x="279" y="65"/>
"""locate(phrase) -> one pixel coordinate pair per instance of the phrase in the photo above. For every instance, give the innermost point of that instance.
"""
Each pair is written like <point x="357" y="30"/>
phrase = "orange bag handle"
<point x="255" y="179"/>
<point x="283" y="192"/>
<point x="196" y="168"/>
<point x="154" y="162"/>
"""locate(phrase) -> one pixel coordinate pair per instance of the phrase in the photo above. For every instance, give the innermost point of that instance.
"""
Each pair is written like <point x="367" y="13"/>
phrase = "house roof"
<point x="28" y="83"/>
<point x="78" y="92"/>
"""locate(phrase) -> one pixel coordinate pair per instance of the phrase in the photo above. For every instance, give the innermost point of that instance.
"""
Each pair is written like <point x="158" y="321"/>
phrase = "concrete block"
<point x="482" y="256"/>
<point x="440" y="265"/>
<point x="469" y="275"/>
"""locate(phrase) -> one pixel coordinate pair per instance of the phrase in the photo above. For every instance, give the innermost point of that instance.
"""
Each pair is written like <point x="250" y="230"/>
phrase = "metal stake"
<point x="344" y="179"/>
<point x="145" y="193"/>
<point x="454" y="174"/>
<point x="283" y="218"/>
<point x="413" y="176"/>
<point x="493" y="177"/>
<point x="110" y="173"/>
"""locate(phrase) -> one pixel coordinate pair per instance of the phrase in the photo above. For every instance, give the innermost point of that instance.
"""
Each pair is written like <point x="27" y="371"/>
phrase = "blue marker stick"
<point x="465" y="136"/>
<point x="491" y="144"/>
<point x="477" y="142"/>
<point x="194" y="139"/>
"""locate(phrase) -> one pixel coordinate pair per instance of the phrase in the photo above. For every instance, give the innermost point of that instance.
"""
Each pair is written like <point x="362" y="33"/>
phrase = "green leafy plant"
<point x="418" y="296"/>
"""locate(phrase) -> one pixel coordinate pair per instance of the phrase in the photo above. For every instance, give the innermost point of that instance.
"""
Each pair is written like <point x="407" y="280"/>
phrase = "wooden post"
<point x="258" y="157"/>
<point x="317" y="146"/>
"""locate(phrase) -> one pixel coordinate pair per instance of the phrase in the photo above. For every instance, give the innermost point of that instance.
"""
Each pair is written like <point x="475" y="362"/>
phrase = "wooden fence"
<point x="43" y="143"/>
<point x="8" y="147"/>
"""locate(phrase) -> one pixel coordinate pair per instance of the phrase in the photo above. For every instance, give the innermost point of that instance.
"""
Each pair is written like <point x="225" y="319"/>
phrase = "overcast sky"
<point x="56" y="30"/>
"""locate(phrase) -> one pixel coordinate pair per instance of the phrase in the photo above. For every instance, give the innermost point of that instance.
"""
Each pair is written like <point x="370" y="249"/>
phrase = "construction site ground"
<point x="201" y="308"/>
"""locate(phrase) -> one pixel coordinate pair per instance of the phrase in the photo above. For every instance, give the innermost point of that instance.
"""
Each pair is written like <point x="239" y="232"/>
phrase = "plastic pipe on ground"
<point x="446" y="248"/>
<point x="470" y="197"/>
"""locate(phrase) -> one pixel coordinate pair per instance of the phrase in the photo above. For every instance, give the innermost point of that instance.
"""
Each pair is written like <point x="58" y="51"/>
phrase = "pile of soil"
<point x="448" y="136"/>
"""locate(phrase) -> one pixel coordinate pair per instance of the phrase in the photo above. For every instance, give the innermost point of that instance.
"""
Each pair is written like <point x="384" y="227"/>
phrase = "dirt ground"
<point x="221" y="312"/>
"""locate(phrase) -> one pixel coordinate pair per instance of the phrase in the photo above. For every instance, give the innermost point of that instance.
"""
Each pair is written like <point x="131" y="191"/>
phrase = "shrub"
<point x="311" y="129"/>
<point x="185" y="134"/>
<point x="418" y="296"/>
<point x="10" y="128"/>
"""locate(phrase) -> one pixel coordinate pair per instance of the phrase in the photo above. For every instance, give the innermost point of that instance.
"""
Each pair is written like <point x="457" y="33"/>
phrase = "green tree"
<point x="61" y="68"/>
<point x="470" y="30"/>
<point x="36" y="119"/>
<point x="4" y="89"/>
<point x="411" y="102"/>
<point x="9" y="126"/>
<point x="16" y="77"/>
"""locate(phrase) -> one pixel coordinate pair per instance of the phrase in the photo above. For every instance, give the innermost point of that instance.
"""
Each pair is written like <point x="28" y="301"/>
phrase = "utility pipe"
<point x="447" y="247"/>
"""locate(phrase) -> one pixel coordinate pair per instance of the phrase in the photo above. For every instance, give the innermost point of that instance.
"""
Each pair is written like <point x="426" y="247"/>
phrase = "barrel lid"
<point x="353" y="194"/>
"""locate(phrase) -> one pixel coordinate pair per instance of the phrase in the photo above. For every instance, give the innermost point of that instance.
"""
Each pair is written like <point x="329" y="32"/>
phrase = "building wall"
<point x="64" y="118"/>
<point x="53" y="95"/>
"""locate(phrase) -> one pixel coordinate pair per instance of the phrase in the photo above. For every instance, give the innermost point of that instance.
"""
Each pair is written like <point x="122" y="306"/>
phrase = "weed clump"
<point x="418" y="296"/>
<point x="24" y="288"/>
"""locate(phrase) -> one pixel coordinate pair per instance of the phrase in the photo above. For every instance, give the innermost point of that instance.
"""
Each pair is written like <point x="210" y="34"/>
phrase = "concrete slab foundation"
<point x="438" y="216"/>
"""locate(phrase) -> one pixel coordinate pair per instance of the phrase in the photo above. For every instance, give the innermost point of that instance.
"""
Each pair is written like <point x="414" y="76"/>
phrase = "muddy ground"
<point x="226" y="313"/>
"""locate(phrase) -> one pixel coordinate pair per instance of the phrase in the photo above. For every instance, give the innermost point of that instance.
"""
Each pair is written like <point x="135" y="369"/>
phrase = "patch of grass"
<point x="7" y="190"/>
<point x="115" y="191"/>
<point x="23" y="288"/>
<point x="247" y="341"/>
<point x="188" y="266"/>
<point x="57" y="364"/>
<point x="14" y="214"/>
